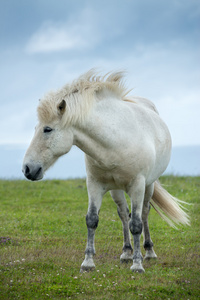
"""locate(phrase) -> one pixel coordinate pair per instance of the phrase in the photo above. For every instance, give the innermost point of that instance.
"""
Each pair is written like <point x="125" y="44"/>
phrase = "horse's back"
<point x="152" y="128"/>
<point x="142" y="102"/>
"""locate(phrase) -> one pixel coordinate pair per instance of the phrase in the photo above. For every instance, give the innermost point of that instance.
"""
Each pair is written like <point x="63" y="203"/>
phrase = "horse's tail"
<point x="168" y="207"/>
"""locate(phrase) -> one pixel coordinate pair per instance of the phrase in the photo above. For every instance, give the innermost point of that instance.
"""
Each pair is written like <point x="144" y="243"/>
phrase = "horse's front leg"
<point x="136" y="193"/>
<point x="95" y="194"/>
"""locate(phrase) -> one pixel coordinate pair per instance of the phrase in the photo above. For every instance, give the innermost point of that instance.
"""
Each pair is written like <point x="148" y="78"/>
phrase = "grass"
<point x="43" y="238"/>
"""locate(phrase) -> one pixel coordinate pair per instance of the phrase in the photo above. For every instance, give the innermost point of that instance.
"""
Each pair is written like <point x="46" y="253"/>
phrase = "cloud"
<point x="53" y="38"/>
<point x="78" y="32"/>
<point x="18" y="122"/>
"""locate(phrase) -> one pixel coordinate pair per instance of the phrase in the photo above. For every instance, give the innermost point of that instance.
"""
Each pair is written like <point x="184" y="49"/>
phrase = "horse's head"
<point x="51" y="140"/>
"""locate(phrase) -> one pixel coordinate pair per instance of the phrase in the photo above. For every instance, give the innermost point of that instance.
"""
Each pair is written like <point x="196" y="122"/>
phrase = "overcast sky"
<point x="46" y="43"/>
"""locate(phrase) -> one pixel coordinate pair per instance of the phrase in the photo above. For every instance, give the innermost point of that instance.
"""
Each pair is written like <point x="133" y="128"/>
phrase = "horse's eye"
<point x="47" y="129"/>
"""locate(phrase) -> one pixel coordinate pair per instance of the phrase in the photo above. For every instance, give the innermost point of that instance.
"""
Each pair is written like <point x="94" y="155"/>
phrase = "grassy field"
<point x="43" y="238"/>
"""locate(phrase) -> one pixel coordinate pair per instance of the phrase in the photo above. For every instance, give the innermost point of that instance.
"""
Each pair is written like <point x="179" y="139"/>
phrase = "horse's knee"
<point x="135" y="225"/>
<point x="92" y="218"/>
<point x="92" y="221"/>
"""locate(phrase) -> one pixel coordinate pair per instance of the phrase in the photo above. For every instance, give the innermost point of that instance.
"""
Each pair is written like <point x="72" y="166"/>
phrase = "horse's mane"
<point x="80" y="96"/>
<point x="91" y="82"/>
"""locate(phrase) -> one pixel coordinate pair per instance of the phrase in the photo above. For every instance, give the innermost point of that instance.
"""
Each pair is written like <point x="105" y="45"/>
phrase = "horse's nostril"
<point x="27" y="171"/>
<point x="38" y="172"/>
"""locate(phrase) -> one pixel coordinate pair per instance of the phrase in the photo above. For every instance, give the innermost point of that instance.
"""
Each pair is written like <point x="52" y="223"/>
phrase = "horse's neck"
<point x="90" y="140"/>
<point x="95" y="136"/>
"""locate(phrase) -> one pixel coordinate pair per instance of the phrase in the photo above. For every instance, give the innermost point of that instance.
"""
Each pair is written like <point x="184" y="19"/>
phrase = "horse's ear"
<point x="61" y="107"/>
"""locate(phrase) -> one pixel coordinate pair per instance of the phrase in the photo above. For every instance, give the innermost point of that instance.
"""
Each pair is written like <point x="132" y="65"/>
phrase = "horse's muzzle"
<point x="32" y="172"/>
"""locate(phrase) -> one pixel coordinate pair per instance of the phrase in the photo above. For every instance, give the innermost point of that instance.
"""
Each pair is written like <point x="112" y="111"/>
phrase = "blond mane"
<point x="80" y="96"/>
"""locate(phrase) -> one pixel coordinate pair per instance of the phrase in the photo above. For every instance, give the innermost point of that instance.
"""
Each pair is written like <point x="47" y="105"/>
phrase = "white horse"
<point x="127" y="147"/>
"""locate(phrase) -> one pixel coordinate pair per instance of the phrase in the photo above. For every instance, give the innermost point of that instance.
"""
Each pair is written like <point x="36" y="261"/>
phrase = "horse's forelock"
<point x="46" y="111"/>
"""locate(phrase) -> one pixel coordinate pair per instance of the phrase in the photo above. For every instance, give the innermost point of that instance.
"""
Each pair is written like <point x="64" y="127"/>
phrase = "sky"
<point x="45" y="44"/>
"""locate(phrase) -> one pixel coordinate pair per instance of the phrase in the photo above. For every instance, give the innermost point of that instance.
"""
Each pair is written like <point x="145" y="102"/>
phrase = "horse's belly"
<point x="149" y="161"/>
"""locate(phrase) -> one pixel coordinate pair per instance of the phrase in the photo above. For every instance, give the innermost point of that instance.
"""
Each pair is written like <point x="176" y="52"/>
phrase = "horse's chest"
<point x="113" y="180"/>
<point x="113" y="176"/>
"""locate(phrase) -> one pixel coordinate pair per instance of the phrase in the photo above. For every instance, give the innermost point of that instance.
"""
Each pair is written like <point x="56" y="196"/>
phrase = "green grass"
<point x="43" y="238"/>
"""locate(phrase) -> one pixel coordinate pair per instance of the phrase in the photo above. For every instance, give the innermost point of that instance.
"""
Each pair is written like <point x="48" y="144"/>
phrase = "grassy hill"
<point x="43" y="238"/>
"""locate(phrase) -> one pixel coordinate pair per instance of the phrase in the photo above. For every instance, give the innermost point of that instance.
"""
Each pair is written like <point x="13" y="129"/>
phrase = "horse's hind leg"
<point x="123" y="211"/>
<point x="148" y="244"/>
